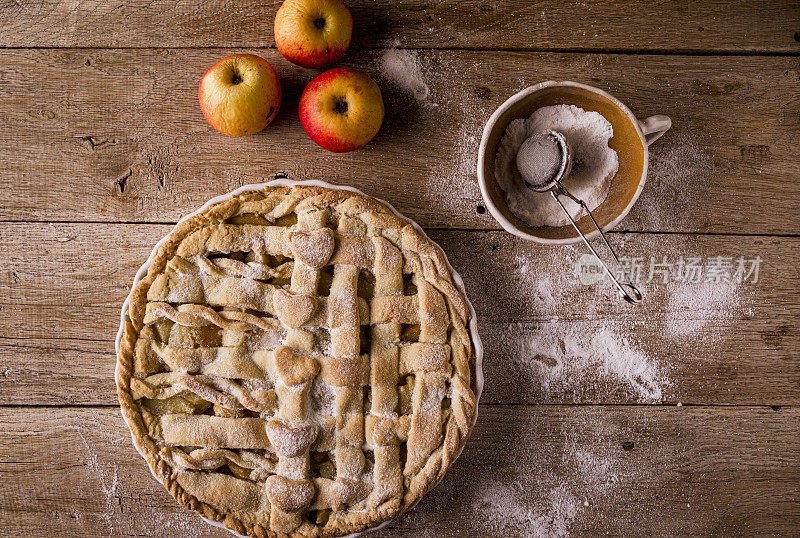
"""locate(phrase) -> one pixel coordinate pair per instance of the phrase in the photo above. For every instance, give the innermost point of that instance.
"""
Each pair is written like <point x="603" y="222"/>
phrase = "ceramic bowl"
<point x="630" y="141"/>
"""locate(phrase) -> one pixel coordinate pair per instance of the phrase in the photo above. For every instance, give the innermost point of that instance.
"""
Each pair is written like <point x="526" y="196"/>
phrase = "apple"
<point x="341" y="109"/>
<point x="313" y="33"/>
<point x="240" y="94"/>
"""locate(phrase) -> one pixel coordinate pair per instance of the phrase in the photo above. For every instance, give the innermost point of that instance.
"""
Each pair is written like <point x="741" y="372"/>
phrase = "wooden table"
<point x="103" y="147"/>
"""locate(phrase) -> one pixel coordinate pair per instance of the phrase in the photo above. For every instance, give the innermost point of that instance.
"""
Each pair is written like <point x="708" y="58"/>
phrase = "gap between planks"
<point x="426" y="228"/>
<point x="777" y="408"/>
<point x="554" y="50"/>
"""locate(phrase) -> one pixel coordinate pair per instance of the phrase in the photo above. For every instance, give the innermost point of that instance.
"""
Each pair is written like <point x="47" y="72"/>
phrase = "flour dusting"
<point x="543" y="289"/>
<point x="693" y="307"/>
<point x="681" y="164"/>
<point x="548" y="504"/>
<point x="457" y="181"/>
<point x="179" y="524"/>
<point x="552" y="519"/>
<point x="595" y="469"/>
<point x="679" y="168"/>
<point x="466" y="158"/>
<point x="572" y="360"/>
<point x="565" y="356"/>
<point x="108" y="479"/>
<point x="586" y="343"/>
<point x="403" y="69"/>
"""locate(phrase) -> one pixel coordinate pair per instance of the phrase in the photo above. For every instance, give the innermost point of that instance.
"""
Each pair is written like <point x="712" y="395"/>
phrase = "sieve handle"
<point x="654" y="127"/>
<point x="627" y="290"/>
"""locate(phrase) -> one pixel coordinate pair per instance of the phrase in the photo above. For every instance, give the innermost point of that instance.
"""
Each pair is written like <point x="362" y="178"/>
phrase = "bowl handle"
<point x="654" y="127"/>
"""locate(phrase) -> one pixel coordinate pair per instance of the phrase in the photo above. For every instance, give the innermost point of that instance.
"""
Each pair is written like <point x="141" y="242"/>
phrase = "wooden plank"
<point x="475" y="24"/>
<point x="690" y="343"/>
<point x="549" y="469"/>
<point x="110" y="135"/>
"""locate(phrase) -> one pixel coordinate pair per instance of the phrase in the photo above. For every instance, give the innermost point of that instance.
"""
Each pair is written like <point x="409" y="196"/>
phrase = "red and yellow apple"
<point x="341" y="109"/>
<point x="313" y="33"/>
<point x="240" y="94"/>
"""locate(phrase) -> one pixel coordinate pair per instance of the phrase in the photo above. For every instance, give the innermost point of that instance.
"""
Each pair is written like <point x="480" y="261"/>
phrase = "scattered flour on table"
<point x="403" y="69"/>
<point x="572" y="360"/>
<point x="680" y="165"/>
<point x="583" y="476"/>
<point x="97" y="436"/>
<point x="179" y="524"/>
<point x="465" y="165"/>
<point x="576" y="466"/>
<point x="693" y="307"/>
<point x="107" y="474"/>
<point x="455" y="188"/>
<point x="595" y="470"/>
<point x="568" y="356"/>
<point x="508" y="502"/>
<point x="678" y="168"/>
<point x="598" y="349"/>
<point x="704" y="307"/>
<point x="543" y="291"/>
<point x="456" y="179"/>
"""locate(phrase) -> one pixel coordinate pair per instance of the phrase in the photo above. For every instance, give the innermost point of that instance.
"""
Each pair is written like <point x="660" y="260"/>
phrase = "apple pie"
<point x="297" y="361"/>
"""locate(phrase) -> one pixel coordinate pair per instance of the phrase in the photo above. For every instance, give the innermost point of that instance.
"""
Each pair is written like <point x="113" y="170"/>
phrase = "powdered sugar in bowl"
<point x="630" y="140"/>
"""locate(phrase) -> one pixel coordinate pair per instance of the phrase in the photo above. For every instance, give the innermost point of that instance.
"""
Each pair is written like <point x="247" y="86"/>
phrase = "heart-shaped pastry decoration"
<point x="293" y="310"/>
<point x="290" y="442"/>
<point x="289" y="495"/>
<point x="294" y="369"/>
<point x="315" y="248"/>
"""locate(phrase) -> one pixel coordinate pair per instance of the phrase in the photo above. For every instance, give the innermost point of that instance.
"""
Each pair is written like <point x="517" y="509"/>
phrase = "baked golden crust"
<point x="297" y="362"/>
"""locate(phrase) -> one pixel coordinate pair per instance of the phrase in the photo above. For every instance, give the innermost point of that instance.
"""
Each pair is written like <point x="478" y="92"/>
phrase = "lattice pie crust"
<point x="297" y="361"/>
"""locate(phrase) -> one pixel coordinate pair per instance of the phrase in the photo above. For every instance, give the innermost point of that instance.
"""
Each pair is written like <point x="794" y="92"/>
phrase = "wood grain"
<point x="100" y="126"/>
<point x="710" y="343"/>
<point x="679" y="25"/>
<point x="588" y="470"/>
<point x="109" y="135"/>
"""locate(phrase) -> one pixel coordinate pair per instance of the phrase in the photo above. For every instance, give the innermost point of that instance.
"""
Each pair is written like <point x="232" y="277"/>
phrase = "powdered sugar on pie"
<point x="297" y="361"/>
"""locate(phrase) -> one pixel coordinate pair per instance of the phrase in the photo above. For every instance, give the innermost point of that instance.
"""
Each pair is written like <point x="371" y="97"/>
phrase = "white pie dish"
<point x="478" y="384"/>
